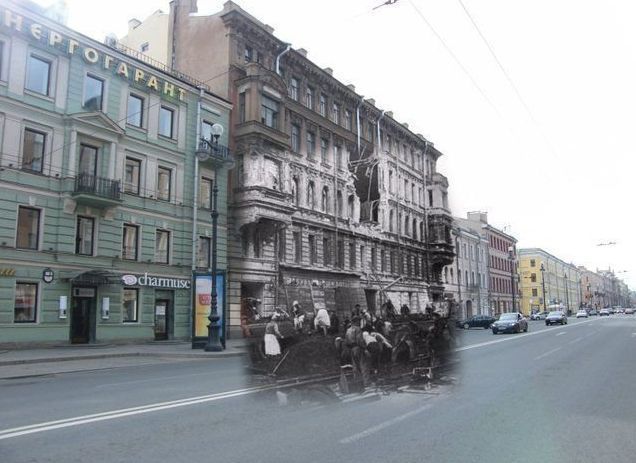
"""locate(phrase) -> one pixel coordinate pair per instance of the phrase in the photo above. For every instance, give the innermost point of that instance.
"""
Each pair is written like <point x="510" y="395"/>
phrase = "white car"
<point x="581" y="314"/>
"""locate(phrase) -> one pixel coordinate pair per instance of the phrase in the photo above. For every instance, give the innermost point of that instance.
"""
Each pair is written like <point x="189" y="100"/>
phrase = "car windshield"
<point x="554" y="314"/>
<point x="508" y="316"/>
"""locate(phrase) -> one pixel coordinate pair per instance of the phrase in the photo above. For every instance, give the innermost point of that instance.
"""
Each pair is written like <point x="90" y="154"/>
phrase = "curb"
<point x="119" y="355"/>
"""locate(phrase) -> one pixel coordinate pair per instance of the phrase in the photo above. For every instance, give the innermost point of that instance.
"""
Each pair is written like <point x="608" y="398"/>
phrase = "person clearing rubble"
<point x="375" y="344"/>
<point x="272" y="334"/>
<point x="299" y="316"/>
<point x="322" y="322"/>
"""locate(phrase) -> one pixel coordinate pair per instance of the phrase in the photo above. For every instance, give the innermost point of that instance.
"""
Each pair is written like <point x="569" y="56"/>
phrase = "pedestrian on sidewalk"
<point x="272" y="334"/>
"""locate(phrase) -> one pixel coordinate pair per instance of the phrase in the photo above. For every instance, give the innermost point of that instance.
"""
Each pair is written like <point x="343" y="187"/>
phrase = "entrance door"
<point x="162" y="308"/>
<point x="82" y="309"/>
<point x="469" y="309"/>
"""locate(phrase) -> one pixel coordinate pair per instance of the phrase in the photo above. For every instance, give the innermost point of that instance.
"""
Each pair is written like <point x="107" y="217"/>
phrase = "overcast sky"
<point x="557" y="175"/>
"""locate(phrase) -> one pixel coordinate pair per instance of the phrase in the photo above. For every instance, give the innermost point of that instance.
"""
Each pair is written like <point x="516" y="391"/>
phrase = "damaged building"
<point x="333" y="202"/>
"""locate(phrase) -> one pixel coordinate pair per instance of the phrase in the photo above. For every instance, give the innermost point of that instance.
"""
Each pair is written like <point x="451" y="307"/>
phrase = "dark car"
<point x="476" y="321"/>
<point x="557" y="317"/>
<point x="593" y="313"/>
<point x="512" y="322"/>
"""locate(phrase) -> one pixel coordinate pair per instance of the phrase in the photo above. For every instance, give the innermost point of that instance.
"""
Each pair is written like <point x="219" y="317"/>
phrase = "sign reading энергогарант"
<point x="155" y="281"/>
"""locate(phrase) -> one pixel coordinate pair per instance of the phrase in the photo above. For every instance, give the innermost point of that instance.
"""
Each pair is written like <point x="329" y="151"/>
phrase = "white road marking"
<point x="154" y="379"/>
<point x="379" y="427"/>
<point x="575" y="340"/>
<point x="517" y="336"/>
<point x="559" y="334"/>
<point x="545" y="354"/>
<point x="114" y="414"/>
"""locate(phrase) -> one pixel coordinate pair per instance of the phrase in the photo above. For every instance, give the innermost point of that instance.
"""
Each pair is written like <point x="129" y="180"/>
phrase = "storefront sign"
<point x="155" y="282"/>
<point x="47" y="275"/>
<point x="90" y="55"/>
<point x="7" y="272"/>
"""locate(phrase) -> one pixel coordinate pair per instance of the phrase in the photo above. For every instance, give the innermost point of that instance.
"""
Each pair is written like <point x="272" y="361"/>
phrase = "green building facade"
<point x="104" y="209"/>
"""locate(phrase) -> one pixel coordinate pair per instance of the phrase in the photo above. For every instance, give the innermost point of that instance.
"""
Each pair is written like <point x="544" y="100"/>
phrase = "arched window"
<point x="340" y="204"/>
<point x="406" y="224"/>
<point x="414" y="229"/>
<point x="422" y="231"/>
<point x="391" y="220"/>
<point x="350" y="201"/>
<point x="310" y="195"/>
<point x="295" y="191"/>
<point x="325" y="199"/>
<point x="390" y="181"/>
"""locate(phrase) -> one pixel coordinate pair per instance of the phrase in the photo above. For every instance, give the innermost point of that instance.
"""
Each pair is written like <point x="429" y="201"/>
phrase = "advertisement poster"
<point x="202" y="303"/>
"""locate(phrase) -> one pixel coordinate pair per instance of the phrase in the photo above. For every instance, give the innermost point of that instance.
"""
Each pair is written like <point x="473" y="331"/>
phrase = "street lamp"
<point x="543" y="284"/>
<point x="205" y="149"/>
<point x="567" y="293"/>
<point x="511" y="256"/>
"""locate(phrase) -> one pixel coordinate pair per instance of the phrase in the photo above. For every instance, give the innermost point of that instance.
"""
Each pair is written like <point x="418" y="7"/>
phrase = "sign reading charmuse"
<point x="155" y="282"/>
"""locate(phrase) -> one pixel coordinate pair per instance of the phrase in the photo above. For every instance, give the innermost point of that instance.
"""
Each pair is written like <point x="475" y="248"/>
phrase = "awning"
<point x="96" y="278"/>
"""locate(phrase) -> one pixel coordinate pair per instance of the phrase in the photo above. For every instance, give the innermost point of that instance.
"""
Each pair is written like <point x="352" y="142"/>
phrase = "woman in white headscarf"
<point x="272" y="346"/>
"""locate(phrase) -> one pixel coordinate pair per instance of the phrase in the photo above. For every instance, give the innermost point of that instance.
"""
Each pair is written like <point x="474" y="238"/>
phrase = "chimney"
<point x="351" y="87"/>
<point x="389" y="114"/>
<point x="302" y="51"/>
<point x="133" y="23"/>
<point x="328" y="71"/>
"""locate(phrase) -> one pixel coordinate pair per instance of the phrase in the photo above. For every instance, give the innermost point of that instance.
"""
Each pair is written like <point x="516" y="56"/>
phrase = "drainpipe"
<point x="195" y="195"/>
<point x="358" y="121"/>
<point x="278" y="58"/>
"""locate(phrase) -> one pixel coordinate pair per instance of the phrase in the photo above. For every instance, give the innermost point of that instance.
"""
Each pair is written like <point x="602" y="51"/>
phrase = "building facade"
<point x="542" y="272"/>
<point x="333" y="201"/>
<point x="466" y="280"/>
<point x="98" y="182"/>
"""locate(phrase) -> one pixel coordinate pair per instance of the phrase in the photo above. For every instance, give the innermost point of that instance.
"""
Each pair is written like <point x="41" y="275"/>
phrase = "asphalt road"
<point x="555" y="394"/>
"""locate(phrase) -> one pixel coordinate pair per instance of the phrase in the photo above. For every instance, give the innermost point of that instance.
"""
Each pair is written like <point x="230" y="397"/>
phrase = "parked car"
<point x="511" y="322"/>
<point x="611" y="310"/>
<point x="582" y="314"/>
<point x="538" y="315"/>
<point x="620" y="310"/>
<point x="477" y="321"/>
<point x="605" y="312"/>
<point x="593" y="313"/>
<point x="629" y="311"/>
<point x="557" y="317"/>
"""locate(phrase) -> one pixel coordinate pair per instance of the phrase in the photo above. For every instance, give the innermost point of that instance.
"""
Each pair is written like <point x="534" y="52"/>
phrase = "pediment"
<point x="97" y="119"/>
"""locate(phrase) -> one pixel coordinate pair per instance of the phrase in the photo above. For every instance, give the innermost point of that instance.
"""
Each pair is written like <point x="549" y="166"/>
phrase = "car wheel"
<point x="494" y="331"/>
<point x="526" y="329"/>
<point x="486" y="327"/>
<point x="466" y="326"/>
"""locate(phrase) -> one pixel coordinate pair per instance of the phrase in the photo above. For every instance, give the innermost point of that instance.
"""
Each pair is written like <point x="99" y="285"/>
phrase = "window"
<point x="533" y="277"/>
<point x="348" y="119"/>
<point x="326" y="252"/>
<point x="28" y="230"/>
<point x="310" y="195"/>
<point x="1" y="57"/>
<point x="241" y="107"/>
<point x="130" y="242"/>
<point x="298" y="247"/>
<point x="38" y="75"/>
<point x="166" y="123"/>
<point x="282" y="245"/>
<point x="26" y="302"/>
<point x="311" y="144"/>
<point x="323" y="105"/>
<point x="248" y="54"/>
<point x="144" y="47"/>
<point x="430" y="198"/>
<point x="206" y="130"/>
<point x="533" y="263"/>
<point x="163" y="183"/>
<point x="337" y="155"/>
<point x="340" y="256"/>
<point x="391" y="220"/>
<point x="269" y="112"/>
<point x="33" y="150"/>
<point x="203" y="252"/>
<point x="84" y="237"/>
<point x="309" y="98"/>
<point x="295" y="191"/>
<point x="135" y="110"/>
<point x="352" y="255"/>
<point x="382" y="260"/>
<point x="205" y="193"/>
<point x="534" y="292"/>
<point x="325" y="199"/>
<point x="129" y="305"/>
<point x="362" y="256"/>
<point x="324" y="146"/>
<point x="295" y="138"/>
<point x="335" y="113"/>
<point x="313" y="254"/>
<point x="162" y="246"/>
<point x="132" y="176"/>
<point x="374" y="259"/>
<point x="88" y="160"/>
<point x="293" y="89"/>
<point x="93" y="93"/>
<point x="390" y="181"/>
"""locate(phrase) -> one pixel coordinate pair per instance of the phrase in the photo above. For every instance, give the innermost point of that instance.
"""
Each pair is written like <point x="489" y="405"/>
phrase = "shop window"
<point x="26" y="302"/>
<point x="28" y="229"/>
<point x="130" y="305"/>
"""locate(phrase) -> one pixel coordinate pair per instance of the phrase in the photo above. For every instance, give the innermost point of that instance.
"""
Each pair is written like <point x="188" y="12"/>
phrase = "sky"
<point x="548" y="151"/>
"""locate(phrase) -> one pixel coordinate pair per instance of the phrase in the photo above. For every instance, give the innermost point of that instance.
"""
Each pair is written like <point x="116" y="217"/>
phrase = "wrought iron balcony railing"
<point x="98" y="186"/>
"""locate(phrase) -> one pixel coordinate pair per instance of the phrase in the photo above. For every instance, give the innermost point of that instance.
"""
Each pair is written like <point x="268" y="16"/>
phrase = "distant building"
<point x="333" y="201"/>
<point x="541" y="270"/>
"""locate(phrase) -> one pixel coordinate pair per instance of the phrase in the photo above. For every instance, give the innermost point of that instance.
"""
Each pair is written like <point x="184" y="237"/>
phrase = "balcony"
<point x="213" y="152"/>
<point x="95" y="191"/>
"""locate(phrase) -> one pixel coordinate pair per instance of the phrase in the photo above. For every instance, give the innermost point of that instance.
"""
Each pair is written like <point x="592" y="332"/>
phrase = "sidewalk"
<point x="22" y="363"/>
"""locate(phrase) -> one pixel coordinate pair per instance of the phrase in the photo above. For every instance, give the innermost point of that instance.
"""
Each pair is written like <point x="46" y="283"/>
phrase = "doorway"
<point x="83" y="315"/>
<point x="162" y="319"/>
<point x="469" y="308"/>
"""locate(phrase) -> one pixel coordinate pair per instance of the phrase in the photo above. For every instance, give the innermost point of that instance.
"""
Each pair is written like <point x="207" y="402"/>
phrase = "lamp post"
<point x="205" y="149"/>
<point x="543" y="284"/>
<point x="511" y="256"/>
<point x="567" y="293"/>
